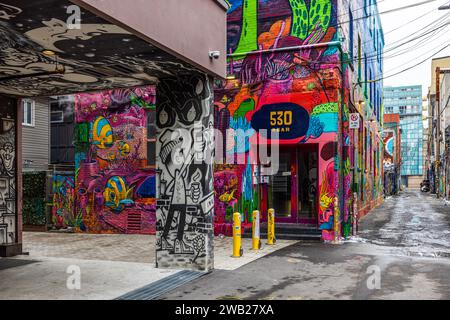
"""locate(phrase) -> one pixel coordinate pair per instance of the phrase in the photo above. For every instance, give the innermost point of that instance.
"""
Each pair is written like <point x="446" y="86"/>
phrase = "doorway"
<point x="292" y="192"/>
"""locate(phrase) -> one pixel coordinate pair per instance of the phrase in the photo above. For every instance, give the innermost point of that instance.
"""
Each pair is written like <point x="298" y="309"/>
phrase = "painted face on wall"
<point x="7" y="156"/>
<point x="117" y="195"/>
<point x="175" y="149"/>
<point x="102" y="133"/>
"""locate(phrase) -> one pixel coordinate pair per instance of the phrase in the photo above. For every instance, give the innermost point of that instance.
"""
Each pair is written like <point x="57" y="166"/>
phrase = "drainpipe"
<point x="341" y="204"/>
<point x="438" y="126"/>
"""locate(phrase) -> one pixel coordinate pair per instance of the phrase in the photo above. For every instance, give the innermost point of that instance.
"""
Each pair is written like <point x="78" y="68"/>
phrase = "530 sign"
<point x="280" y="118"/>
<point x="288" y="119"/>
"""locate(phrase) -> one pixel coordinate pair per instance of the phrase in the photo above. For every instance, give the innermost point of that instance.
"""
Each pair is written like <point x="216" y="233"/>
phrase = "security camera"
<point x="214" y="55"/>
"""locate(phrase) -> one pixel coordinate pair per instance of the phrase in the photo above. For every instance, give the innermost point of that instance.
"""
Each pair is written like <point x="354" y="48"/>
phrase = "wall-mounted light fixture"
<point x="49" y="53"/>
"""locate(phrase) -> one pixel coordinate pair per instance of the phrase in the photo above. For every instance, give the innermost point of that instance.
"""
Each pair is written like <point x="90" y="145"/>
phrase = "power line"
<point x="403" y="64"/>
<point x="402" y="44"/>
<point x="416" y="46"/>
<point x="409" y="22"/>
<point x="416" y="65"/>
<point x="424" y="30"/>
<point x="385" y="33"/>
<point x="393" y="10"/>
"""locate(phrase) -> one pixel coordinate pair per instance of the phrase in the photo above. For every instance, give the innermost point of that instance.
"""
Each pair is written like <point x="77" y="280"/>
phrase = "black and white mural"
<point x="7" y="174"/>
<point x="185" y="149"/>
<point x="96" y="56"/>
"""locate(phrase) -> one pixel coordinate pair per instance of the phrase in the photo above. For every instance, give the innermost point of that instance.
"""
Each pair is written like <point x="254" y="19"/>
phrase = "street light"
<point x="445" y="7"/>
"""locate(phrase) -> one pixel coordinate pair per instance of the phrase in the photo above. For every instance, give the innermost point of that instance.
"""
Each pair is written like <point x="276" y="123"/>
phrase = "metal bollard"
<point x="337" y="217"/>
<point x="237" y="236"/>
<point x="271" y="227"/>
<point x="256" y="241"/>
<point x="355" y="214"/>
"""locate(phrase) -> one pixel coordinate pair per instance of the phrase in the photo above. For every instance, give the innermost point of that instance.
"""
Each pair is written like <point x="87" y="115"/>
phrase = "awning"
<point x="37" y="44"/>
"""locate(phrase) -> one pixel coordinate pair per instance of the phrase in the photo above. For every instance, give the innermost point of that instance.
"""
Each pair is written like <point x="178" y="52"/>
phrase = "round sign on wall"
<point x="289" y="120"/>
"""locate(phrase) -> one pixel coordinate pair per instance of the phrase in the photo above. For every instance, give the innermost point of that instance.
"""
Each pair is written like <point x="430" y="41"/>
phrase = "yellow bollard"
<point x="337" y="226"/>
<point x="256" y="242"/>
<point x="271" y="227"/>
<point x="237" y="236"/>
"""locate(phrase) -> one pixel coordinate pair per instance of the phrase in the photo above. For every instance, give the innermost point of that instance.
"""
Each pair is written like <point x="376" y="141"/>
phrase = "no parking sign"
<point x="354" y="120"/>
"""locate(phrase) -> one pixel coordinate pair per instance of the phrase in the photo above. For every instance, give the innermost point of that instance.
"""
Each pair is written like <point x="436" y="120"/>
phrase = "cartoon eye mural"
<point x="165" y="116"/>
<point x="117" y="195"/>
<point x="191" y="112"/>
<point x="102" y="133"/>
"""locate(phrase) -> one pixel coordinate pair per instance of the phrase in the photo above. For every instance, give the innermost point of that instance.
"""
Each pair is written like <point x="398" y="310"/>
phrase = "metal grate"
<point x="160" y="287"/>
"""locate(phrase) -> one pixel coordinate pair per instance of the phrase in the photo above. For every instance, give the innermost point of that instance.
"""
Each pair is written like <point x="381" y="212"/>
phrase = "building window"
<point x="57" y="117"/>
<point x="28" y="112"/>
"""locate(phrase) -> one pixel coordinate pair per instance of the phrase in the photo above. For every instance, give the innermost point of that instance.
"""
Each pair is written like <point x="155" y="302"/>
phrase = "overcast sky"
<point x="416" y="51"/>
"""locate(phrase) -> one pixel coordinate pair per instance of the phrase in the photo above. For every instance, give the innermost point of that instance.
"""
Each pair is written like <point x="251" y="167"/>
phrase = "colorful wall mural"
<point x="7" y="173"/>
<point x="64" y="211"/>
<point x="114" y="185"/>
<point x="185" y="149"/>
<point x="305" y="95"/>
<point x="389" y="148"/>
<point x="293" y="92"/>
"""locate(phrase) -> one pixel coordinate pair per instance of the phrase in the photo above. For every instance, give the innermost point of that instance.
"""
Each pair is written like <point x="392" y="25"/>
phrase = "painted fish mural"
<point x="102" y="133"/>
<point x="228" y="196"/>
<point x="124" y="148"/>
<point x="117" y="195"/>
<point x="114" y="182"/>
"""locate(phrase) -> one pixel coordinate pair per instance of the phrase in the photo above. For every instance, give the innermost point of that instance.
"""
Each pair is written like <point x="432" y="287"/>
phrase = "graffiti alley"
<point x="224" y="150"/>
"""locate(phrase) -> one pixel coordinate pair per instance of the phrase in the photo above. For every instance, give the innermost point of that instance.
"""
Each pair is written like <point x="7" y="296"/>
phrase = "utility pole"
<point x="438" y="129"/>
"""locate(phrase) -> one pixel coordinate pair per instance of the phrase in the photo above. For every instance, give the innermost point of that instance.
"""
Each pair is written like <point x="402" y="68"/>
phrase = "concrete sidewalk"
<point x="46" y="278"/>
<point x="110" y="265"/>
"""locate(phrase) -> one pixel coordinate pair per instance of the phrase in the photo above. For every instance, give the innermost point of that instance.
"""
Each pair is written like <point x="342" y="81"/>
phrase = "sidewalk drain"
<point x="160" y="287"/>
